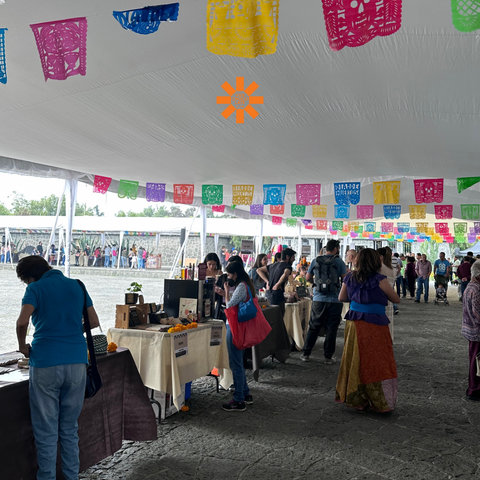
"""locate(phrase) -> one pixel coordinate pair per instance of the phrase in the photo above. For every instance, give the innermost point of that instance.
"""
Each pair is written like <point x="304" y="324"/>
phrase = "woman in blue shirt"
<point x="58" y="360"/>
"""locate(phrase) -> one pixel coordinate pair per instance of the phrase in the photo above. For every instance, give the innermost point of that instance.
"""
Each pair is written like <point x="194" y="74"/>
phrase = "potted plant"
<point x="131" y="294"/>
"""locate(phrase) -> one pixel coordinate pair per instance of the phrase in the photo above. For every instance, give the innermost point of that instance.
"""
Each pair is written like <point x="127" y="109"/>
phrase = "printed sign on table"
<point x="180" y="344"/>
<point x="347" y="193"/>
<point x="247" y="246"/>
<point x="216" y="335"/>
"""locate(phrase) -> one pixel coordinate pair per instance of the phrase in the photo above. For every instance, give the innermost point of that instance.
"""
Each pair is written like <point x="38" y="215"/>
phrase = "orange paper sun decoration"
<point x="239" y="100"/>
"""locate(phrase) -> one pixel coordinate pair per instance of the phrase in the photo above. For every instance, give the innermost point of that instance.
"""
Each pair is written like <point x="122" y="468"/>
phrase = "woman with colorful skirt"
<point x="368" y="373"/>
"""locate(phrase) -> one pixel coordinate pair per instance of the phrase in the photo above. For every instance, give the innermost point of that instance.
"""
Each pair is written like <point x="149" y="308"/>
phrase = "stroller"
<point x="441" y="292"/>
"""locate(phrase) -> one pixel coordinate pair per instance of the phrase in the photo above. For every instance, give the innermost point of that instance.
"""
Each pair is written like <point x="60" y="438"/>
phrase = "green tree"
<point x="4" y="210"/>
<point x="47" y="206"/>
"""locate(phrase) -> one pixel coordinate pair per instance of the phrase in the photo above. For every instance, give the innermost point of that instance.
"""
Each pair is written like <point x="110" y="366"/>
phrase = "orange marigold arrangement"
<point x="181" y="328"/>
<point x="112" y="347"/>
<point x="185" y="408"/>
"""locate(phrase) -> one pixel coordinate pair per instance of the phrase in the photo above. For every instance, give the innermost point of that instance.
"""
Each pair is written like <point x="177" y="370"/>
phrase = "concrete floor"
<point x="295" y="430"/>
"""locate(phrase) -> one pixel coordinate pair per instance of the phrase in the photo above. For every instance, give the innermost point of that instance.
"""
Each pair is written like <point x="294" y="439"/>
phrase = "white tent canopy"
<point x="475" y="249"/>
<point x="403" y="106"/>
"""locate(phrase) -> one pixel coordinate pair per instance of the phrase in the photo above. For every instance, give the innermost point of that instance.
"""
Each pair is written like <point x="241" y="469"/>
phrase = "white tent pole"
<point x="60" y="240"/>
<point x="183" y="247"/>
<point x="52" y="235"/>
<point x="299" y="253"/>
<point x="216" y="237"/>
<point x="260" y="237"/>
<point x="71" y="203"/>
<point x="203" y="231"/>
<point x="119" y="250"/>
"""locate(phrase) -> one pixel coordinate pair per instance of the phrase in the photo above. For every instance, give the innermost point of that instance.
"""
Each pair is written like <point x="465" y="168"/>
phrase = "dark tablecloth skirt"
<point x="277" y="343"/>
<point x="121" y="410"/>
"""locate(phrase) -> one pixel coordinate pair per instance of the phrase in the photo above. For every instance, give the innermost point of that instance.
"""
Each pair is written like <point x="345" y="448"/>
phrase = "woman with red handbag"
<point x="238" y="278"/>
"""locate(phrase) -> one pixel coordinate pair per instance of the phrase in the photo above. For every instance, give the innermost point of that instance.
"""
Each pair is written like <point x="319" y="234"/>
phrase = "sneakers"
<point x="471" y="398"/>
<point x="304" y="358"/>
<point x="395" y="312"/>
<point x="249" y="400"/>
<point x="329" y="361"/>
<point x="417" y="301"/>
<point x="234" y="406"/>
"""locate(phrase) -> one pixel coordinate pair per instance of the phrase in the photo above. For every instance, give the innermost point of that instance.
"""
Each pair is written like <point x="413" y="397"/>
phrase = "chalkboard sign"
<point x="301" y="292"/>
<point x="247" y="246"/>
<point x="306" y="249"/>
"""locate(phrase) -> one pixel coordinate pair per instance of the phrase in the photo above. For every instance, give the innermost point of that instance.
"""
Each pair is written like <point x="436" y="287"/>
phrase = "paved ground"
<point x="296" y="431"/>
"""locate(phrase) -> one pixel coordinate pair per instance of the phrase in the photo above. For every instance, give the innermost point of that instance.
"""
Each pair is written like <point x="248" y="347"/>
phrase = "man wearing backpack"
<point x="329" y="271"/>
<point x="276" y="275"/>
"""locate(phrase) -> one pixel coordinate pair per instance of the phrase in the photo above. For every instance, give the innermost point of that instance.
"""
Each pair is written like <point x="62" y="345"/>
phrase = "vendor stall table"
<point x="120" y="411"/>
<point x="277" y="344"/>
<point x="162" y="370"/>
<point x="297" y="316"/>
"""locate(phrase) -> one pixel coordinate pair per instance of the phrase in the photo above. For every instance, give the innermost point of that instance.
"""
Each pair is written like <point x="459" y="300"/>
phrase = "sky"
<point x="34" y="188"/>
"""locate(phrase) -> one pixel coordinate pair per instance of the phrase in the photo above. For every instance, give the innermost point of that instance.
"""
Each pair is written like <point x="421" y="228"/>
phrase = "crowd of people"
<point x="368" y="281"/>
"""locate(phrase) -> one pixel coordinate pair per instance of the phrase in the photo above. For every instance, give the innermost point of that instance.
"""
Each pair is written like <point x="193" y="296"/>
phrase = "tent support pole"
<point x="71" y="203"/>
<point x="203" y="231"/>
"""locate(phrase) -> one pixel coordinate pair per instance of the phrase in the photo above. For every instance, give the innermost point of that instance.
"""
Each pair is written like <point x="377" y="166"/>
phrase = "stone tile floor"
<point x="295" y="430"/>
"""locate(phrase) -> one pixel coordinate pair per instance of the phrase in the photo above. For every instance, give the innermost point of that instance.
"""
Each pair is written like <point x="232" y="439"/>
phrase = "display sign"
<point x="301" y="292"/>
<point x="247" y="246"/>
<point x="180" y="344"/>
<point x="216" y="335"/>
<point x="306" y="249"/>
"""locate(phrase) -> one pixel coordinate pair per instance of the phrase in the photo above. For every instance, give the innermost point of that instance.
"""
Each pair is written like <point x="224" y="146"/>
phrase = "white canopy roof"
<point x="403" y="106"/>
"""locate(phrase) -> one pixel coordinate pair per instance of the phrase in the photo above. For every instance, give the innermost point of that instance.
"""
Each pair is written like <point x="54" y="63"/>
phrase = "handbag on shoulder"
<point x="94" y="381"/>
<point x="247" y="310"/>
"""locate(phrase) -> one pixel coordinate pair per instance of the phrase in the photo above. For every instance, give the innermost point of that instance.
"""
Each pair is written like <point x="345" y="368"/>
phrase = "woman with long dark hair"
<point x="213" y="265"/>
<point x="237" y="278"/>
<point x="258" y="282"/>
<point x="368" y="373"/>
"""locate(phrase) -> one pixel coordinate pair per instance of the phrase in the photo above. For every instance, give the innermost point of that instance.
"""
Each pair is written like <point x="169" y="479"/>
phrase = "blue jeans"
<point x="114" y="261"/>
<point x="123" y="261"/>
<point x="464" y="286"/>
<point x="399" y="283"/>
<point x="56" y="400"/>
<point x="2" y="258"/>
<point x="107" y="261"/>
<point x="421" y="283"/>
<point x="235" y="357"/>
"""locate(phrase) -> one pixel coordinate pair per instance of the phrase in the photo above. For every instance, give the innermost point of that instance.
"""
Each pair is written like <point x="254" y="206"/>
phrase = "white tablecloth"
<point x="297" y="316"/>
<point x="160" y="370"/>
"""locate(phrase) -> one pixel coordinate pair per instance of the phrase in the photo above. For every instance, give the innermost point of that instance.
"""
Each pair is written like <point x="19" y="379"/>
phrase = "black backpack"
<point x="327" y="278"/>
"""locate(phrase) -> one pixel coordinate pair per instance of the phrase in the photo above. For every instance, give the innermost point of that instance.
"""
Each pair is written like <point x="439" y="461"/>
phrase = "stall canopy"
<point x="401" y="107"/>
<point x="475" y="249"/>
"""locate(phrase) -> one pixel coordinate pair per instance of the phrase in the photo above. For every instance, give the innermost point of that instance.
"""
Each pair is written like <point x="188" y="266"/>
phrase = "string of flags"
<point x="347" y="196"/>
<point x="239" y="28"/>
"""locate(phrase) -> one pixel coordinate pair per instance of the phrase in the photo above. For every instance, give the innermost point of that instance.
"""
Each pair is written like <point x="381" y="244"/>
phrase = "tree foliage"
<point x="47" y="206"/>
<point x="4" y="210"/>
<point x="160" y="211"/>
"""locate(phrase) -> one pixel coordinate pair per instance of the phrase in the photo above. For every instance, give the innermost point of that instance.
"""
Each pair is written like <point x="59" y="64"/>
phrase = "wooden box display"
<point x="154" y="262"/>
<point x="125" y="312"/>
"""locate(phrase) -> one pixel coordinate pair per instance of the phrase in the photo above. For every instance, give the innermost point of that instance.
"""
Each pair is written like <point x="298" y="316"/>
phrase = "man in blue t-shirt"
<point x="441" y="270"/>
<point x="326" y="308"/>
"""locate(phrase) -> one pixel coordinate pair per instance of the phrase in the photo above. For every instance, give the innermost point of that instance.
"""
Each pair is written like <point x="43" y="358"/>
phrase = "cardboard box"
<point x="122" y="317"/>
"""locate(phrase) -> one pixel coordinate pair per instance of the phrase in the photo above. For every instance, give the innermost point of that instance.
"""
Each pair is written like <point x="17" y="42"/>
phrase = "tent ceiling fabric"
<point x="403" y="106"/>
